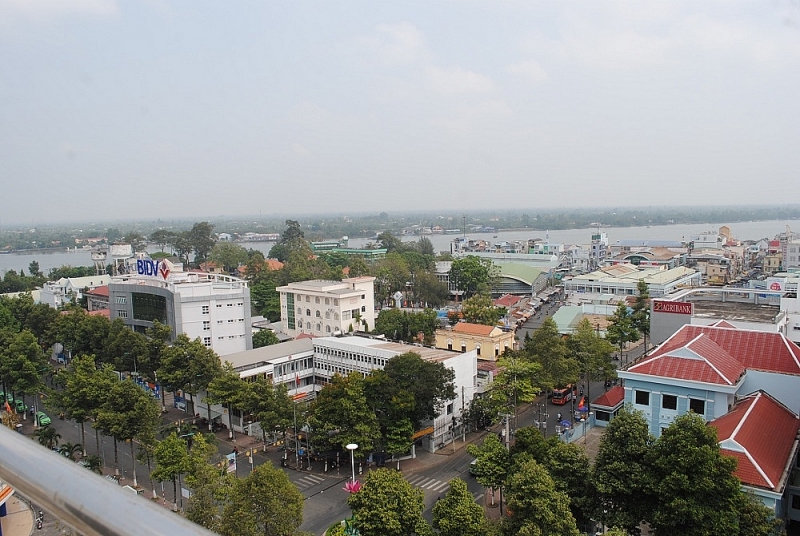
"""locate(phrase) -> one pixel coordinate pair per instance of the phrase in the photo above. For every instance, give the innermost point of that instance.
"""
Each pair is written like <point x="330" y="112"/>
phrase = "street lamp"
<point x="351" y="447"/>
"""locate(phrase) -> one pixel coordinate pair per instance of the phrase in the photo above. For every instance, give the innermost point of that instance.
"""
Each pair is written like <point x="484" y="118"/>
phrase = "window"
<point x="363" y="308"/>
<point x="327" y="315"/>
<point x="345" y="315"/>
<point x="308" y="312"/>
<point x="308" y="325"/>
<point x="363" y="296"/>
<point x="697" y="405"/>
<point x="207" y="342"/>
<point x="327" y="301"/>
<point x="316" y="300"/>
<point x="318" y="327"/>
<point x="206" y="325"/>
<point x="643" y="398"/>
<point x="602" y="415"/>
<point x="308" y="299"/>
<point x="219" y="321"/>
<point x="463" y="347"/>
<point x="121" y="300"/>
<point x="478" y="348"/>
<point x="795" y="502"/>
<point x="669" y="402"/>
<point x="204" y="309"/>
<point x="450" y="408"/>
<point x="336" y="316"/>
<point x="317" y="314"/>
<point x="229" y="305"/>
<point x="336" y="301"/>
<point x="122" y="313"/>
<point x="219" y="306"/>
<point x="327" y="329"/>
<point x="299" y="324"/>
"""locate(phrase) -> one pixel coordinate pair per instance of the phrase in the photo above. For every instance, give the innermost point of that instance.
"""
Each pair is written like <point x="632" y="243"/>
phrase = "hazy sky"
<point x="192" y="109"/>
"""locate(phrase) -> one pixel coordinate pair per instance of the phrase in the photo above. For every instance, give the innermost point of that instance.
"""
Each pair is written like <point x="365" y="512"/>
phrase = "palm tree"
<point x="47" y="436"/>
<point x="94" y="464"/>
<point x="68" y="450"/>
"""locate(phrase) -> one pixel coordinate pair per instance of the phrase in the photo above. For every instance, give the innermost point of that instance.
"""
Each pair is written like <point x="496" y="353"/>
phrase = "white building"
<point x="323" y="308"/>
<point x="622" y="279"/>
<point x="212" y="307"/>
<point x="707" y="240"/>
<point x="305" y="365"/>
<point x="57" y="293"/>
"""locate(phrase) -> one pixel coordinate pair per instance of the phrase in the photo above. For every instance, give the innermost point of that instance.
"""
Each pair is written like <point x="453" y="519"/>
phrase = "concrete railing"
<point x="80" y="498"/>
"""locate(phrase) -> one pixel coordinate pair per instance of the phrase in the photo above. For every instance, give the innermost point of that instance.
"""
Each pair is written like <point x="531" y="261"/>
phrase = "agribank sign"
<point x="152" y="268"/>
<point x="674" y="307"/>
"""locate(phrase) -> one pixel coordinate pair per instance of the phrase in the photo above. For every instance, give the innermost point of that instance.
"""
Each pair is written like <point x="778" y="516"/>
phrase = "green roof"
<point x="520" y="272"/>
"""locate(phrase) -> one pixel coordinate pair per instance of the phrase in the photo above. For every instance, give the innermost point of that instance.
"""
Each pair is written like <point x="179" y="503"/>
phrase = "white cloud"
<point x="393" y="44"/>
<point x="531" y="70"/>
<point x="469" y="119"/>
<point x="457" y="80"/>
<point x="300" y="150"/>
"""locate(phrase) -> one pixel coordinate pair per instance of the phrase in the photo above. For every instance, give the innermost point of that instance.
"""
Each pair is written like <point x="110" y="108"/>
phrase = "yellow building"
<point x="488" y="341"/>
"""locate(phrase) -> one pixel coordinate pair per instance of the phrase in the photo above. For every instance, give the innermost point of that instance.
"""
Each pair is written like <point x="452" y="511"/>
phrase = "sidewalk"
<point x="19" y="518"/>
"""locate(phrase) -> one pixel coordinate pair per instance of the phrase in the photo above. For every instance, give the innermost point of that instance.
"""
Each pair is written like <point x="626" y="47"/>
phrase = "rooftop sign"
<point x="679" y="308"/>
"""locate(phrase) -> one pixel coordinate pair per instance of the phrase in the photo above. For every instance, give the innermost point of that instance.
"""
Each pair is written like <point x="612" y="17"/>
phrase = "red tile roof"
<point x="304" y="336"/>
<point x="98" y="291"/>
<point x="507" y="301"/>
<point x="100" y="312"/>
<point x="610" y="399"/>
<point x="723" y="324"/>
<point x="699" y="359"/>
<point x="473" y="329"/>
<point x="771" y="352"/>
<point x="761" y="434"/>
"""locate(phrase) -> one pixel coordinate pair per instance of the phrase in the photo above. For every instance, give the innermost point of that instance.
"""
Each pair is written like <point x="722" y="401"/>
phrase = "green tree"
<point x="84" y="389"/>
<point x="228" y="256"/>
<point x="398" y="437"/>
<point x="69" y="450"/>
<point x="265" y="503"/>
<point x="94" y="463"/>
<point x="136" y="240"/>
<point x="536" y="507"/>
<point x="388" y="505"/>
<point x="391" y="274"/>
<point x="621" y="329"/>
<point x="592" y="354"/>
<point x="457" y="514"/>
<point x="570" y="469"/>
<point x="172" y="459"/>
<point x="227" y="389"/>
<point x="481" y="310"/>
<point x="755" y="519"/>
<point x="340" y="415"/>
<point x="47" y="436"/>
<point x="22" y="364"/>
<point x="429" y="290"/>
<point x="621" y="472"/>
<point x="264" y="337"/>
<point x="202" y="241"/>
<point x="430" y="384"/>
<point x="473" y="275"/>
<point x="694" y="486"/>
<point x="640" y="315"/>
<point x="127" y="412"/>
<point x="210" y="487"/>
<point x="405" y="326"/>
<point x="492" y="465"/>
<point x="548" y="348"/>
<point x="269" y="404"/>
<point x="162" y="237"/>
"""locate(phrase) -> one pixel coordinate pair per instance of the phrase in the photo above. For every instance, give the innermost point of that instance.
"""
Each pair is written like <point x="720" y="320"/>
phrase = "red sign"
<point x="678" y="308"/>
<point x="775" y="286"/>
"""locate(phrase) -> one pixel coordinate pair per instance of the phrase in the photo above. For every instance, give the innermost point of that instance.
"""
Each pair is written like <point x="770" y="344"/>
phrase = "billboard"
<point x="673" y="307"/>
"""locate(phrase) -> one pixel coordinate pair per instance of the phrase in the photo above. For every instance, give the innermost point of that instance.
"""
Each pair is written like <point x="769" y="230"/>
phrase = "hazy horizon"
<point x="181" y="111"/>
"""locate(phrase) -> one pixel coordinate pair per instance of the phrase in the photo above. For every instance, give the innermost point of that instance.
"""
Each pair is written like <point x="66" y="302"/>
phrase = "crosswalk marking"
<point x="308" y="481"/>
<point x="434" y="485"/>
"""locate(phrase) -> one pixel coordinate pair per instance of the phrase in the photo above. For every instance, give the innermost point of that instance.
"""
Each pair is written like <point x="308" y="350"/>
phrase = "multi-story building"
<point x="725" y="375"/>
<point x="214" y="308"/>
<point x="305" y="365"/>
<point x="324" y="308"/>
<point x="622" y="279"/>
<point x="58" y="293"/>
<point x="488" y="342"/>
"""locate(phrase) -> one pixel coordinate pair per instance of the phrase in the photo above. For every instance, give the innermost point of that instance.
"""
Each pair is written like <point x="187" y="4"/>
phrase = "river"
<point x="753" y="230"/>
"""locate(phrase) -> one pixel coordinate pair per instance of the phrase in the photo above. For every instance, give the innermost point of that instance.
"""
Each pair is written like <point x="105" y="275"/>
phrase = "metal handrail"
<point x="87" y="502"/>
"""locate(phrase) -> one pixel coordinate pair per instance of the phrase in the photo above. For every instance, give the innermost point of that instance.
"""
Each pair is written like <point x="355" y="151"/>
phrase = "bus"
<point x="564" y="395"/>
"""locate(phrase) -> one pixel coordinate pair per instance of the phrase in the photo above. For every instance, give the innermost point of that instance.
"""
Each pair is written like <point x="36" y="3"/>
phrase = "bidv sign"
<point x="680" y="308"/>
<point x="152" y="268"/>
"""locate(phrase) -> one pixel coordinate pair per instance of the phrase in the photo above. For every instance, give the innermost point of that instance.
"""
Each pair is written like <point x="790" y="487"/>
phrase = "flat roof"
<point x="265" y="354"/>
<point x="427" y="353"/>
